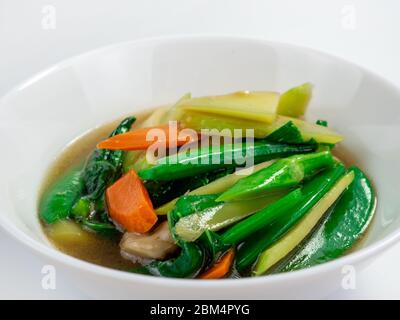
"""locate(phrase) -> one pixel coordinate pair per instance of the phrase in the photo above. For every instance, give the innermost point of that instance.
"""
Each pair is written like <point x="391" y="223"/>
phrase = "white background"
<point x="363" y="31"/>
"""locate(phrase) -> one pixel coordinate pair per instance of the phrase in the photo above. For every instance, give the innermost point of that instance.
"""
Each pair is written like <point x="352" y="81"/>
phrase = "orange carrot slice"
<point x="141" y="139"/>
<point x="129" y="204"/>
<point x="221" y="268"/>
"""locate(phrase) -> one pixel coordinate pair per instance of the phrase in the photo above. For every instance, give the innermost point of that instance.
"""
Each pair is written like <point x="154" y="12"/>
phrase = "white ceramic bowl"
<point x="41" y="116"/>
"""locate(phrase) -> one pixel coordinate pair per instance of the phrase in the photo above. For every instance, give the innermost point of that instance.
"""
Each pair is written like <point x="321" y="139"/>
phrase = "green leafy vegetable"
<point x="202" y="160"/>
<point x="81" y="209"/>
<point x="293" y="238"/>
<point x="57" y="203"/>
<point x="294" y="102"/>
<point x="217" y="186"/>
<point x="240" y="231"/>
<point x="283" y="174"/>
<point x="323" y="123"/>
<point x="219" y="216"/>
<point x="266" y="235"/>
<point x="192" y="256"/>
<point x="288" y="133"/>
<point x="162" y="192"/>
<point x="103" y="228"/>
<point x="104" y="166"/>
<point x="342" y="227"/>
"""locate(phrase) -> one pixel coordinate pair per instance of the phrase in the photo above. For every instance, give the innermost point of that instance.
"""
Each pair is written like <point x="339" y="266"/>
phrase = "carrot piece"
<point x="137" y="139"/>
<point x="221" y="268"/>
<point x="129" y="204"/>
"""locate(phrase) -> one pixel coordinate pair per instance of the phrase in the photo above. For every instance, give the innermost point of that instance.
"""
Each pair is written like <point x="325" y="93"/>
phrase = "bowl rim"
<point x="64" y="259"/>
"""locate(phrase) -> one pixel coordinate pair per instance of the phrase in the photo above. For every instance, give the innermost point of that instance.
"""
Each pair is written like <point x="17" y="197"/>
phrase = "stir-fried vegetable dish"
<point x="213" y="187"/>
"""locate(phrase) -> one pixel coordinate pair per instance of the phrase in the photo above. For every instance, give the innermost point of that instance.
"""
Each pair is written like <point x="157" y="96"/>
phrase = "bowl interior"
<point x="39" y="118"/>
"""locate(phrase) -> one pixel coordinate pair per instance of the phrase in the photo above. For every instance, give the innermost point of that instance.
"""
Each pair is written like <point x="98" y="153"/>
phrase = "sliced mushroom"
<point x="156" y="245"/>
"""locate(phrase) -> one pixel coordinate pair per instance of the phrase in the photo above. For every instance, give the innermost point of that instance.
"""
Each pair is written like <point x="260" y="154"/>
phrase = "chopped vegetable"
<point x="309" y="131"/>
<point x="187" y="265"/>
<point x="251" y="188"/>
<point x="191" y="227"/>
<point x="341" y="229"/>
<point x="213" y="246"/>
<point x="173" y="112"/>
<point x="193" y="162"/>
<point x="216" y="186"/>
<point x="162" y="192"/>
<point x="129" y="204"/>
<point x="259" y="220"/>
<point x="82" y="208"/>
<point x="157" y="245"/>
<point x="288" y="133"/>
<point x="141" y="139"/>
<point x="99" y="227"/>
<point x="222" y="126"/>
<point x="57" y="203"/>
<point x="102" y="168"/>
<point x="294" y="102"/>
<point x="312" y="192"/>
<point x="188" y="205"/>
<point x="190" y="261"/>
<point x="103" y="165"/>
<point x="68" y="232"/>
<point x="252" y="106"/>
<point x="136" y="160"/>
<point x="221" y="268"/>
<point x="323" y="123"/>
<point x="285" y="245"/>
<point x="283" y="174"/>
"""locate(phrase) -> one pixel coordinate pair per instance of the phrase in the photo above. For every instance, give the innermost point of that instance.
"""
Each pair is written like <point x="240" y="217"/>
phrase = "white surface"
<point x="26" y="48"/>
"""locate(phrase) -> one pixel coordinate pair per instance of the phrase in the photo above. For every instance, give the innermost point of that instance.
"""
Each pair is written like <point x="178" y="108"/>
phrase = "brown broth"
<point x="95" y="249"/>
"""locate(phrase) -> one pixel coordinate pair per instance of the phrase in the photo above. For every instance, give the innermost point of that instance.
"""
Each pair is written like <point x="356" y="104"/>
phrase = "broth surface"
<point x="92" y="248"/>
